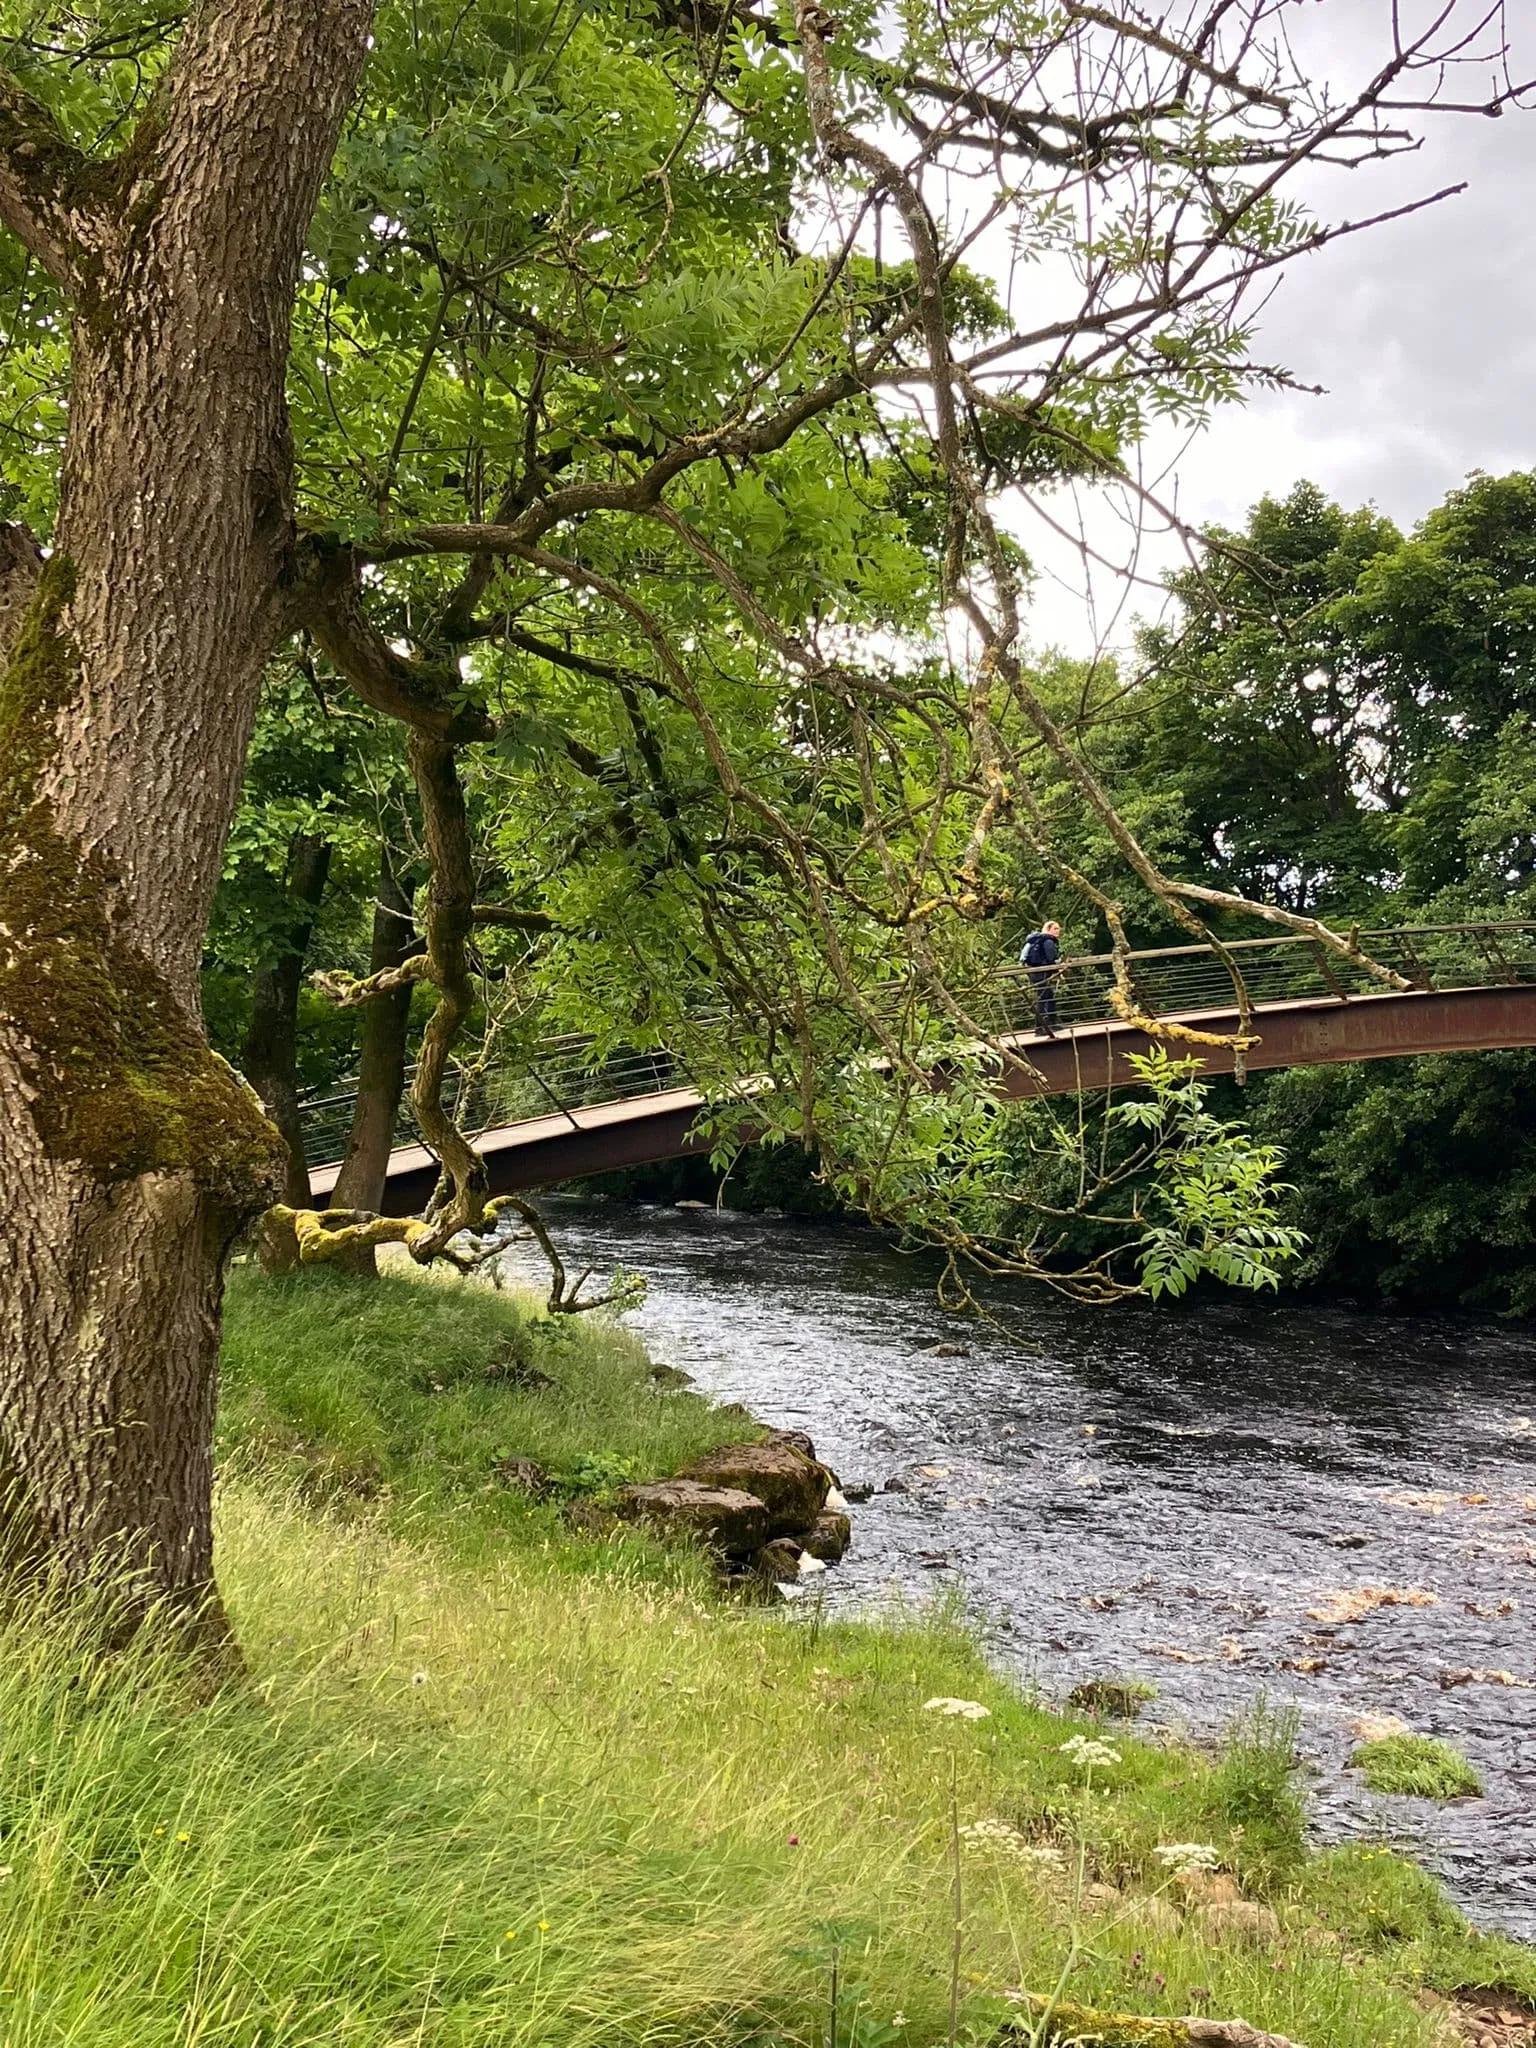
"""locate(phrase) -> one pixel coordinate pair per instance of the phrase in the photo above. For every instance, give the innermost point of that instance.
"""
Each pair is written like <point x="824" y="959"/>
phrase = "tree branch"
<point x="329" y="602"/>
<point x="513" y="920"/>
<point x="42" y="176"/>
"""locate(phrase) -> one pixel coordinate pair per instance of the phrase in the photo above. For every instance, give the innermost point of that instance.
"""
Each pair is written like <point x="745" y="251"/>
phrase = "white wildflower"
<point x="1041" y="1856"/>
<point x="996" y="1831"/>
<point x="1184" y="1857"/>
<point x="1002" y="1836"/>
<point x="966" y="1710"/>
<point x="1089" y="1755"/>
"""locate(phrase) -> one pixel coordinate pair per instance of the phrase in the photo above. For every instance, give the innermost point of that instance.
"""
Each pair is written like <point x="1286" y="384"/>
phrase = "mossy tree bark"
<point x="271" y="1055"/>
<point x="129" y="1155"/>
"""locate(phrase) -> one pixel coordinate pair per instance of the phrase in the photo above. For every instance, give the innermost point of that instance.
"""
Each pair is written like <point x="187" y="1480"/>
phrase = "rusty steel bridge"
<point x="567" y="1112"/>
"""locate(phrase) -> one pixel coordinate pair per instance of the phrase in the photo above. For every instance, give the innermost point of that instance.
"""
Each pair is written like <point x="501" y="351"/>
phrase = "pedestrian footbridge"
<point x="564" y="1112"/>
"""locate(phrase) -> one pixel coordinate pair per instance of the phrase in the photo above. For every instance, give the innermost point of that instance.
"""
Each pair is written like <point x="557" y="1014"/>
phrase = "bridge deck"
<point x="640" y="1130"/>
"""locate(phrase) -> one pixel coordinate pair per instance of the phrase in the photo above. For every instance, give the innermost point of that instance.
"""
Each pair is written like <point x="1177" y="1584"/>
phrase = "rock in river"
<point x="829" y="1537"/>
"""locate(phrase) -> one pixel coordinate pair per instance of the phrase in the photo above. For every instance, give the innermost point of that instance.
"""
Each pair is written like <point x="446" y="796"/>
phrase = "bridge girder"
<point x="644" y="1130"/>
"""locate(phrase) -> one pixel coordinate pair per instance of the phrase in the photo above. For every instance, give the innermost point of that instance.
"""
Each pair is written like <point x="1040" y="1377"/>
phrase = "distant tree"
<point x="1343" y="718"/>
<point x="1447" y="623"/>
<point x="1269" y="716"/>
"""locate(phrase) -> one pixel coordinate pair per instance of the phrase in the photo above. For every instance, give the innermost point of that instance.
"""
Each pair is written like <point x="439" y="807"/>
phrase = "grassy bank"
<point x="493" y="1783"/>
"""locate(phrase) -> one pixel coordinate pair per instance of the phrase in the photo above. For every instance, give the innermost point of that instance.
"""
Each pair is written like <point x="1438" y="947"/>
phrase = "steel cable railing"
<point x="565" y="1072"/>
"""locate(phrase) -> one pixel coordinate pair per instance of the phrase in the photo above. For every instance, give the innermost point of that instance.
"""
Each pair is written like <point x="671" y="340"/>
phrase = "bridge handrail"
<point x="1393" y="931"/>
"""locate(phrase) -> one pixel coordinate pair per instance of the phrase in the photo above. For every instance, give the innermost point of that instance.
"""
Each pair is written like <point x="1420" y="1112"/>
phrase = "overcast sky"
<point x="1423" y="333"/>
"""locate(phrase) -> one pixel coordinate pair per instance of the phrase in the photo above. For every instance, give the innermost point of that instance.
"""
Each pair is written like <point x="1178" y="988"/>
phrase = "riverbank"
<point x="1177" y="1497"/>
<point x="495" y="1781"/>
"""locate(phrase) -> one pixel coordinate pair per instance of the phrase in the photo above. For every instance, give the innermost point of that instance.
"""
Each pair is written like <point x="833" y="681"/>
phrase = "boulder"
<point x="1242" y="1920"/>
<point x="829" y="1536"/>
<point x="725" y="1518"/>
<point x="792" y="1487"/>
<point x="778" y="1561"/>
<point x="799" y="1441"/>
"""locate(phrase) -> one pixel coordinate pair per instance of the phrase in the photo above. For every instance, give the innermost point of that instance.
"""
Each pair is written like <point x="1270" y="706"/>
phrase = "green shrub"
<point x="1256" y="1792"/>
<point x="1418" y="1765"/>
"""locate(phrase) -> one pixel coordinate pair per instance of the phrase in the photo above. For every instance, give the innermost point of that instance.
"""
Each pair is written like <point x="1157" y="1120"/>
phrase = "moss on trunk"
<point x="120" y="1077"/>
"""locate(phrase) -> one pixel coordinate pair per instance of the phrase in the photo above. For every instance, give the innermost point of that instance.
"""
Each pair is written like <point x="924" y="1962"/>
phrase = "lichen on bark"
<point x="118" y="1074"/>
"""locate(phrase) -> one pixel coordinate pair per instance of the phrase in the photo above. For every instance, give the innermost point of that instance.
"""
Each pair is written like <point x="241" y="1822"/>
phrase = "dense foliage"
<point x="649" y="422"/>
<point x="1340" y="718"/>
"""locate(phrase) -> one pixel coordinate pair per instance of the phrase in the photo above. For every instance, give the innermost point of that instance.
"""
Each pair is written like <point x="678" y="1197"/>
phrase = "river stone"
<point x="778" y="1561"/>
<point x="830" y="1535"/>
<point x="670" y="1376"/>
<point x="799" y="1441"/>
<point x="726" y="1518"/>
<point x="790" y="1485"/>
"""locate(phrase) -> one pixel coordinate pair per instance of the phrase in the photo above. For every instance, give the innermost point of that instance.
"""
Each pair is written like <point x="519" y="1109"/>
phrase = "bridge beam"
<point x="1321" y="1031"/>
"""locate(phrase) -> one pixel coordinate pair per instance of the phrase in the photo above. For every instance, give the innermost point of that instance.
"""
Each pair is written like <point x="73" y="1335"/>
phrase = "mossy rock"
<point x="1112" y="1699"/>
<point x="1416" y="1765"/>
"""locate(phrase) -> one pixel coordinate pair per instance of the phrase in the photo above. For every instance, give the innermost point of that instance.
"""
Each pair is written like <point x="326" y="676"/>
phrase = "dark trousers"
<point x="1043" y="982"/>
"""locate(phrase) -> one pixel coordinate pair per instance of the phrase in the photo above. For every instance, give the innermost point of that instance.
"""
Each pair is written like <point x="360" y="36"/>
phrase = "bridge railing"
<point x="1173" y="980"/>
<point x="564" y="1071"/>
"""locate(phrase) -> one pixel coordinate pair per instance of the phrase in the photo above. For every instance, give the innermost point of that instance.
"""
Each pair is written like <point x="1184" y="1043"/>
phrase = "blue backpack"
<point x="1040" y="950"/>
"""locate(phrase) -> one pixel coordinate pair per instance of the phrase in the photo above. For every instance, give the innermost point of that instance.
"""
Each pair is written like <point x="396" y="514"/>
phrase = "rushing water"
<point x="1112" y="1487"/>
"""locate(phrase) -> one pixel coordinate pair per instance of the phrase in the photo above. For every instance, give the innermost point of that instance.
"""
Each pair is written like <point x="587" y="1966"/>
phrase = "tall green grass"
<point x="404" y="1397"/>
<point x="511" y="1789"/>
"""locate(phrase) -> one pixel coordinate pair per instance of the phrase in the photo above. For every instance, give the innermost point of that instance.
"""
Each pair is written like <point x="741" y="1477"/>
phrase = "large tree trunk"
<point x="130" y="1156"/>
<point x="381" y="1061"/>
<point x="271" y="1059"/>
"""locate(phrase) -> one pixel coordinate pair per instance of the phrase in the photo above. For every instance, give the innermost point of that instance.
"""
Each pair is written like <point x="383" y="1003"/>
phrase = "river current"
<point x="1177" y="1496"/>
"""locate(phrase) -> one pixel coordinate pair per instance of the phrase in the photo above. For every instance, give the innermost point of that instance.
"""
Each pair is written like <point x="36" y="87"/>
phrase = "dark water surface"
<point x="1128" y="1483"/>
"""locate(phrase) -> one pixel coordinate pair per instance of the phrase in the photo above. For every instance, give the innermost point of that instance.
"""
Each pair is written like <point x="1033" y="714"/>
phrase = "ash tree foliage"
<point x="619" y="400"/>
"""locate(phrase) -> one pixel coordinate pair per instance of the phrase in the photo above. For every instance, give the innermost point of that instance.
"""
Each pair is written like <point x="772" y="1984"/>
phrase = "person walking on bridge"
<point x="1042" y="950"/>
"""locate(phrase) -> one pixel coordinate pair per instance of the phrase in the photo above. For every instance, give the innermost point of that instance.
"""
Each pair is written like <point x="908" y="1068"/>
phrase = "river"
<point x="1172" y="1495"/>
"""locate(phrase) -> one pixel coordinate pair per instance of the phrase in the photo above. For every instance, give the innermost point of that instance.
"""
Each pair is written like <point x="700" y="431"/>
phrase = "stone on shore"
<point x="727" y="1519"/>
<point x="523" y="1475"/>
<point x="779" y="1561"/>
<point x="792" y="1487"/>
